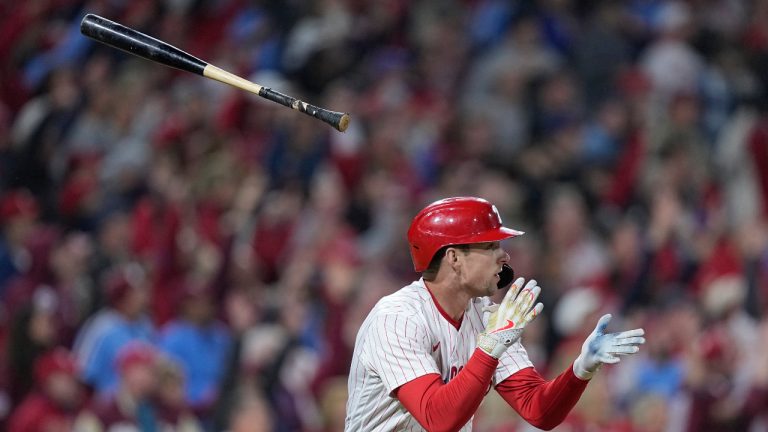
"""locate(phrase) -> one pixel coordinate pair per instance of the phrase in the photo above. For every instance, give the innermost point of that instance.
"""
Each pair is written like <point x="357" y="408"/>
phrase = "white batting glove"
<point x="602" y="348"/>
<point x="508" y="319"/>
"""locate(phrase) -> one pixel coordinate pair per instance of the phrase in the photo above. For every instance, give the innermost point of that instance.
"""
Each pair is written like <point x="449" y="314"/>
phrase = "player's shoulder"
<point x="407" y="301"/>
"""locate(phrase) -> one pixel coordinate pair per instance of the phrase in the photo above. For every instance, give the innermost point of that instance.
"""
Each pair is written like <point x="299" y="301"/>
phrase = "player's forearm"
<point x="448" y="407"/>
<point x="544" y="404"/>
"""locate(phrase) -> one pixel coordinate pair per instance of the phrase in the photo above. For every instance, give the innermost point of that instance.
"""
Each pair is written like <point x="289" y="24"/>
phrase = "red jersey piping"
<point x="453" y="322"/>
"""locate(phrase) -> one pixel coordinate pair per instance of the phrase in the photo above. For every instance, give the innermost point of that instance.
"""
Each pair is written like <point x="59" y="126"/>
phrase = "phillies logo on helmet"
<point x="495" y="210"/>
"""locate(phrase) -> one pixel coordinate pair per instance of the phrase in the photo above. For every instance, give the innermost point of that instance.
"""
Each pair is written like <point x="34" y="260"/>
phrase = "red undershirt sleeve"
<point x="544" y="404"/>
<point x="448" y="407"/>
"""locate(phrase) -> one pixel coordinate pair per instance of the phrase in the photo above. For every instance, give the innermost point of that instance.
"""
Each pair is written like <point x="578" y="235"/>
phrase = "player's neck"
<point x="450" y="297"/>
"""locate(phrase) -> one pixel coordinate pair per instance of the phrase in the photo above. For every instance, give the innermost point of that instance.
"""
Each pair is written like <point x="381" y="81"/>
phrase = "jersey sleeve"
<point x="544" y="404"/>
<point x="438" y="406"/>
<point x="397" y="350"/>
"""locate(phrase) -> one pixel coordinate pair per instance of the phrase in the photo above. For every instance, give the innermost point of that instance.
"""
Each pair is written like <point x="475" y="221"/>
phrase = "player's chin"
<point x="492" y="286"/>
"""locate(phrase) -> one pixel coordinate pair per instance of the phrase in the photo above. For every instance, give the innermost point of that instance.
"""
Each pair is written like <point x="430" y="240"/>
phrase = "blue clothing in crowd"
<point x="662" y="378"/>
<point x="8" y="265"/>
<point x="100" y="368"/>
<point x="202" y="352"/>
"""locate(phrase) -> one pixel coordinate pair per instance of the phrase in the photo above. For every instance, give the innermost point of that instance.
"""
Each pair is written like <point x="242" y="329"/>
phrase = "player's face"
<point x="481" y="264"/>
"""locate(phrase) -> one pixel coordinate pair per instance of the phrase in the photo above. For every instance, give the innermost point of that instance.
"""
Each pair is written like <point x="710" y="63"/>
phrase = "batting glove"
<point x="602" y="348"/>
<point x="508" y="319"/>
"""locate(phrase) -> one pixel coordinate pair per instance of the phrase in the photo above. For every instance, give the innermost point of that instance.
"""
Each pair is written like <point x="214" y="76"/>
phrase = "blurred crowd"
<point x="179" y="255"/>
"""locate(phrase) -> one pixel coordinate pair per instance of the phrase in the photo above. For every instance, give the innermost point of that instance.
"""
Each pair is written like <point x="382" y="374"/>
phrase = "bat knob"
<point x="343" y="122"/>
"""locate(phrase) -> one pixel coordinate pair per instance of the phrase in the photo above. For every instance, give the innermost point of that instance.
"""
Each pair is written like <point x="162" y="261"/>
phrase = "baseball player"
<point x="426" y="355"/>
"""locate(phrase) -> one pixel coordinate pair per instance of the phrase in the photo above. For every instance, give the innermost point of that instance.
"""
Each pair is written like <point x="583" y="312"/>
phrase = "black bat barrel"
<point x="137" y="43"/>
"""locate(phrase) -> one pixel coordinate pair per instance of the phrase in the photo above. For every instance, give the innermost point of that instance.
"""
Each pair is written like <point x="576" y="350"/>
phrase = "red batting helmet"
<point x="454" y="221"/>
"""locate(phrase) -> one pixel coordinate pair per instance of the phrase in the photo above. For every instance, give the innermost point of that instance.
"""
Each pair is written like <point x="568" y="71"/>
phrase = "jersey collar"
<point x="453" y="322"/>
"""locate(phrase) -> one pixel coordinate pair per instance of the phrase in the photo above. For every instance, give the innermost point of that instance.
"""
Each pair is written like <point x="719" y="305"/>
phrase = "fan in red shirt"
<point x="53" y="405"/>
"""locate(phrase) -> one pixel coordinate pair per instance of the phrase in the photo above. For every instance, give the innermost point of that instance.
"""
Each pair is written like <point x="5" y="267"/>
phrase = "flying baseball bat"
<point x="134" y="42"/>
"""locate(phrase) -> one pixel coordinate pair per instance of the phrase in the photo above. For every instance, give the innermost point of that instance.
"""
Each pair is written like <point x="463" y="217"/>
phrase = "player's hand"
<point x="509" y="318"/>
<point x="602" y="348"/>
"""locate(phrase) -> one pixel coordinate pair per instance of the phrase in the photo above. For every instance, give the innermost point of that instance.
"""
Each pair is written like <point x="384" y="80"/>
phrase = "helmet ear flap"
<point x="506" y="276"/>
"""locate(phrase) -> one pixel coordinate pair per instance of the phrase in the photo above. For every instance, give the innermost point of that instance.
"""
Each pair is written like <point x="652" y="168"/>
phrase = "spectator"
<point x="601" y="51"/>
<point x="112" y="249"/>
<point x="58" y="263"/>
<point x="41" y="126"/>
<point x="671" y="63"/>
<point x="33" y="334"/>
<point x="715" y="406"/>
<point x="58" y="395"/>
<point x="111" y="329"/>
<point x="578" y="256"/>
<point x="199" y="344"/>
<point x="333" y="404"/>
<point x="18" y="212"/>
<point x="172" y="405"/>
<point x="251" y="414"/>
<point x="132" y="406"/>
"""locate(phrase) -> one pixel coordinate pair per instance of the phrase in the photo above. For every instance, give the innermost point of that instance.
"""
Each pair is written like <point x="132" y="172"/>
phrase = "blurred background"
<point x="177" y="252"/>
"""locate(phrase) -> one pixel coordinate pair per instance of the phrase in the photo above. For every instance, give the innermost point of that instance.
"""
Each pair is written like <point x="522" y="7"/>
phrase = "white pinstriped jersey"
<point x="406" y="337"/>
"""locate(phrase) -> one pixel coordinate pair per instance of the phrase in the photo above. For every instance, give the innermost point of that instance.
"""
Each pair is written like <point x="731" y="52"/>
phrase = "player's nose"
<point x="504" y="256"/>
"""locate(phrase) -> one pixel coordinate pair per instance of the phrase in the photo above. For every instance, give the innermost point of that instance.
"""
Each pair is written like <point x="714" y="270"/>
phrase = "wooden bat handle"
<point x="221" y="75"/>
<point x="336" y="119"/>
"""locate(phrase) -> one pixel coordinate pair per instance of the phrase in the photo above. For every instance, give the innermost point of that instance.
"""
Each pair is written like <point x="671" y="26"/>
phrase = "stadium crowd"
<point x="179" y="255"/>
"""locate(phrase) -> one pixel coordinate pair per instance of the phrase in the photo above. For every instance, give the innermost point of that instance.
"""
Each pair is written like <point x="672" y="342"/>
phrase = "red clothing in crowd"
<point x="114" y="412"/>
<point x="156" y="228"/>
<point x="628" y="169"/>
<point x="758" y="146"/>
<point x="39" y="413"/>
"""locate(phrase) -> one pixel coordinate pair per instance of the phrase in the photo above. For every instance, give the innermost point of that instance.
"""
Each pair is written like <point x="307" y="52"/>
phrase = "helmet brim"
<point x="501" y="233"/>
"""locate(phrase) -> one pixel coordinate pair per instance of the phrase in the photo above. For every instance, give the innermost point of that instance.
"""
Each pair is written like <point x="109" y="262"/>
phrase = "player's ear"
<point x="452" y="257"/>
